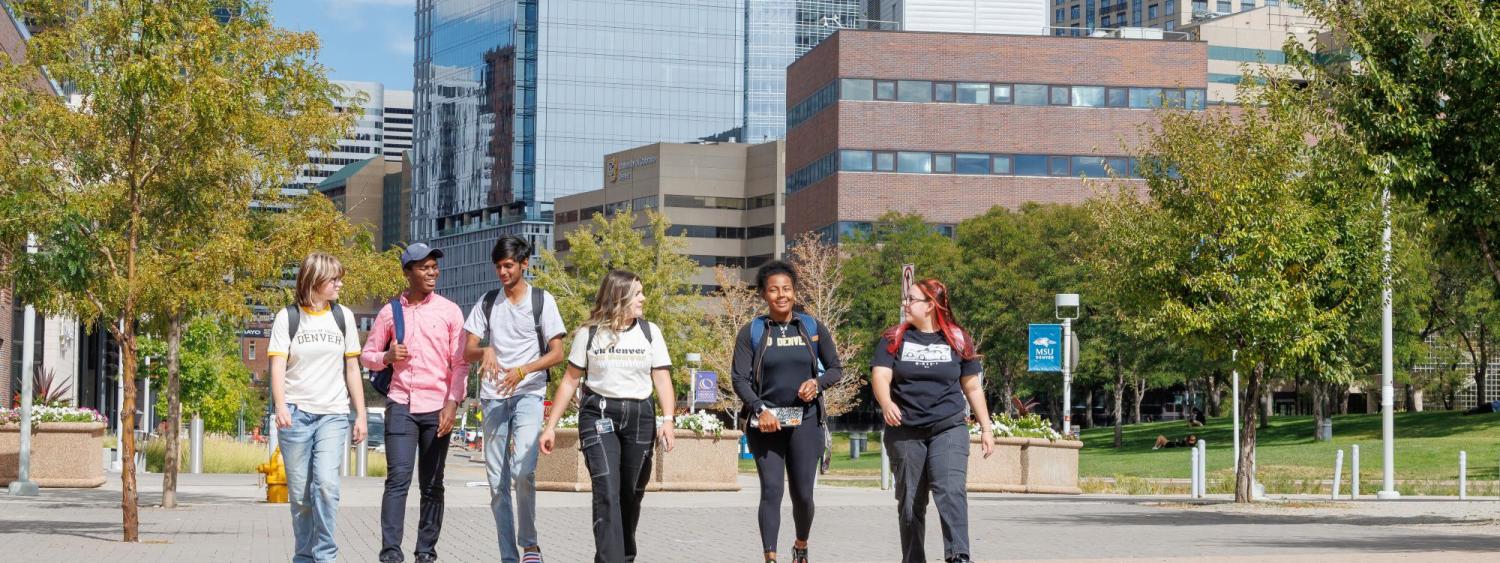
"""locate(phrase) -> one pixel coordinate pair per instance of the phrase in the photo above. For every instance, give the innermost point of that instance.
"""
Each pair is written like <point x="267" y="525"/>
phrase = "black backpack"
<point x="294" y="318"/>
<point x="538" y="301"/>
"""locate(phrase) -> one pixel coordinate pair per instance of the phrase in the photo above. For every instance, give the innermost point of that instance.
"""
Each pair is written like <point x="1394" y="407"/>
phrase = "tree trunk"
<point x="1007" y="391"/>
<point x="1416" y="400"/>
<point x="174" y="412"/>
<point x="1267" y="401"/>
<point x="1215" y="402"/>
<point x="1320" y="411"/>
<point x="1119" y="405"/>
<point x="129" y="499"/>
<point x="1481" y="365"/>
<point x="1244" y="478"/>
<point x="1054" y="412"/>
<point x="1140" y="392"/>
<point x="1343" y="399"/>
<point x="1088" y="408"/>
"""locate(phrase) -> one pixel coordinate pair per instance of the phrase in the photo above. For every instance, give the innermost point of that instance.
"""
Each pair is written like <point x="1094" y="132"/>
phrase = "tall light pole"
<point x="23" y="486"/>
<point x="1063" y="305"/>
<point x="1387" y="368"/>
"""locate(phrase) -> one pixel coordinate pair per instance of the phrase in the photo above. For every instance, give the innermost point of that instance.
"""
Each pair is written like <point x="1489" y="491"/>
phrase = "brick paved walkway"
<point x="222" y="521"/>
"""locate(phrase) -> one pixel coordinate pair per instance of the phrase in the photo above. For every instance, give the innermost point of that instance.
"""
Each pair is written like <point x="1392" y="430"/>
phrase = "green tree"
<point x="672" y="300"/>
<point x="1250" y="235"/>
<point x="872" y="274"/>
<point x="214" y="383"/>
<point x="183" y="111"/>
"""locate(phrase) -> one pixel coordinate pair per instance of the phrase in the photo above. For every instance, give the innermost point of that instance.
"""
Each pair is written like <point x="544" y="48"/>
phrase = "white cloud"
<point x="402" y="46"/>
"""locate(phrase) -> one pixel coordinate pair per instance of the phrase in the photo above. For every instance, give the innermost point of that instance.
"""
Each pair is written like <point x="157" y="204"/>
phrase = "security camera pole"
<point x="1061" y="302"/>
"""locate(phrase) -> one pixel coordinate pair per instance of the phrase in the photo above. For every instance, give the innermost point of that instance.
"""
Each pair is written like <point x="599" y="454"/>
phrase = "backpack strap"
<point x="758" y="331"/>
<point x="645" y="326"/>
<point x="293" y="318"/>
<point x="338" y="317"/>
<point x="488" y="303"/>
<point x="538" y="300"/>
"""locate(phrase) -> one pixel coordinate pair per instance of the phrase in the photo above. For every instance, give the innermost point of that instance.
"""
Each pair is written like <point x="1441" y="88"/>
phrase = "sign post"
<point x="1066" y="309"/>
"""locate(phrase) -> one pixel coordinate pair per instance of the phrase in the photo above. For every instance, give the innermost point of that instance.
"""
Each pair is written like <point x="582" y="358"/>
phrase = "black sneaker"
<point x="960" y="559"/>
<point x="391" y="556"/>
<point x="426" y="558"/>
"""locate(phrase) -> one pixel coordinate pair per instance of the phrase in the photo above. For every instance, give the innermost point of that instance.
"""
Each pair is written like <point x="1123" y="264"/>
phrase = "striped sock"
<point x="531" y="557"/>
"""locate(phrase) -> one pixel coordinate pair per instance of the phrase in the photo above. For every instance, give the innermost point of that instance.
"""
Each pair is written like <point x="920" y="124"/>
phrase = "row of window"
<point x="608" y="210"/>
<point x="711" y="231"/>
<point x="909" y="162"/>
<point x="842" y="231"/>
<point x="730" y="261"/>
<point x="717" y="202"/>
<point x="927" y="91"/>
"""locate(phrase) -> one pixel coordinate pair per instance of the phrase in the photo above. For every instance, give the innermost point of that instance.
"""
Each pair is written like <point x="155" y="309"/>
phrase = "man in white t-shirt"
<point x="516" y="320"/>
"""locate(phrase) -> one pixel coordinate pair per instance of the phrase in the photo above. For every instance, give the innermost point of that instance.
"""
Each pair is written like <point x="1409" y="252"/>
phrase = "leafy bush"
<point x="43" y="413"/>
<point x="1029" y="426"/>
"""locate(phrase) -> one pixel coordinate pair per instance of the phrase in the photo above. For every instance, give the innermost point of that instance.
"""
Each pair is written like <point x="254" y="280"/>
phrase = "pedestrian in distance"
<point x="315" y="382"/>
<point x="924" y="369"/>
<point x="516" y="336"/>
<point x="617" y="357"/>
<point x="783" y="360"/>
<point x="419" y="338"/>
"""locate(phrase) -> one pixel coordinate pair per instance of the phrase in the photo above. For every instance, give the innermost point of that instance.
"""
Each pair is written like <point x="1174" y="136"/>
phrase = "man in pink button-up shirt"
<point x="428" y="382"/>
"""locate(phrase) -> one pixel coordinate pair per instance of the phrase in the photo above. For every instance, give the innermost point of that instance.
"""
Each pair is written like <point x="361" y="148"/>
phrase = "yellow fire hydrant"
<point x="275" y="478"/>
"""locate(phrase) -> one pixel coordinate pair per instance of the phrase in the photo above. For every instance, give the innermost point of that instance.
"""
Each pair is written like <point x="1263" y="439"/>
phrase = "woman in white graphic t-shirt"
<point x="624" y="357"/>
<point x="314" y="381"/>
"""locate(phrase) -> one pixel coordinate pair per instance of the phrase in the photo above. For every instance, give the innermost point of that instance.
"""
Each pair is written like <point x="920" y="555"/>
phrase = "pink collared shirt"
<point x="435" y="370"/>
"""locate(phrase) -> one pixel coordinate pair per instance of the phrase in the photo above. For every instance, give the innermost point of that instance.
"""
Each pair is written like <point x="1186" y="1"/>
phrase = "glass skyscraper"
<point x="776" y="33"/>
<point x="518" y="101"/>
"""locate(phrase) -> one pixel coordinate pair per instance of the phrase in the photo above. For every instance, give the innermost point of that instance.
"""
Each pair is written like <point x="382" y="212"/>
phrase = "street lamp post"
<point x="1064" y="304"/>
<point x="1387" y="389"/>
<point x="693" y="358"/>
<point x="23" y="486"/>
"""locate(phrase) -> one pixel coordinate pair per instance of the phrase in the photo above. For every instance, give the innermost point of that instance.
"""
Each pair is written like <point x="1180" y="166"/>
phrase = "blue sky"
<point x="368" y="40"/>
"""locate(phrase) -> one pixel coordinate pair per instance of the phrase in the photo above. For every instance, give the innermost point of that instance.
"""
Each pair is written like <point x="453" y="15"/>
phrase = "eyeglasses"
<point x="908" y="300"/>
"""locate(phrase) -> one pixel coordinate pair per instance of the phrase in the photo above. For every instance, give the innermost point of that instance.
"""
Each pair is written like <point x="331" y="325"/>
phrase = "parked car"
<point x="375" y="421"/>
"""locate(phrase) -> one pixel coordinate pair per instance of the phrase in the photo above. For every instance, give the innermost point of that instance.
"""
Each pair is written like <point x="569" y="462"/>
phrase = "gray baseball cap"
<point x="418" y="252"/>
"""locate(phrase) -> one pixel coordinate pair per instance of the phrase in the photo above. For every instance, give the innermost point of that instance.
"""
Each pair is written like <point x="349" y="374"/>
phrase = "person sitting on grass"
<point x="1163" y="442"/>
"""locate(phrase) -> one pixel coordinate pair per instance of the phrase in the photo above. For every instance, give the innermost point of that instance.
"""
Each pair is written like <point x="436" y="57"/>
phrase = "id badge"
<point x="604" y="426"/>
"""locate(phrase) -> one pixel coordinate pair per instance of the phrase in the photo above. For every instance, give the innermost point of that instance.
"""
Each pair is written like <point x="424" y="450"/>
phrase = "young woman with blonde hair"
<point x="619" y="358"/>
<point x="314" y="382"/>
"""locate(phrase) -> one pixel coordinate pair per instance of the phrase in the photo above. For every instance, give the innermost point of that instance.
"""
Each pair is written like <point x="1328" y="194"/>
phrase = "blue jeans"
<point x="511" y="427"/>
<point x="312" y="450"/>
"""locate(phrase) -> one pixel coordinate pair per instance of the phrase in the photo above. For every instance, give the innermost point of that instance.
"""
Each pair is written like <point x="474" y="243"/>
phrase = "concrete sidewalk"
<point x="222" y="519"/>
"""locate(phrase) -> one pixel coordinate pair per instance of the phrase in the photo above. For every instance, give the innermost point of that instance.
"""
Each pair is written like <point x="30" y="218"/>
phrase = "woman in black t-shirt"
<point x="924" y="370"/>
<point x="777" y="361"/>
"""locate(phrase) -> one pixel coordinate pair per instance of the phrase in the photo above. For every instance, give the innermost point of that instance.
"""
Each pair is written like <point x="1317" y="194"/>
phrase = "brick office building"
<point x="949" y="125"/>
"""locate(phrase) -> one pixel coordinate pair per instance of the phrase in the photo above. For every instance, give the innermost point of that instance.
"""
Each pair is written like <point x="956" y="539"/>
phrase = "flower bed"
<point x="1030" y="457"/>
<point x="704" y="458"/>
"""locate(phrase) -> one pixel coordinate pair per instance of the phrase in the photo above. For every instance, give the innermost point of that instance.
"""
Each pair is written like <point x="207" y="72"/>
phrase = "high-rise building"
<point x="370" y="139"/>
<point x="1014" y="17"/>
<point x="1081" y="17"/>
<point x="518" y="101"/>
<point x="776" y="33"/>
<point x="1243" y="40"/>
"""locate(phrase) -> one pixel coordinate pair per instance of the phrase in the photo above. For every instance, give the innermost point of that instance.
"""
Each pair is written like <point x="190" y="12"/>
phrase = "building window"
<point x="1225" y="6"/>
<point x="1118" y="98"/>
<point x="1151" y="12"/>
<point x="885" y="162"/>
<point x="1171" y="8"/>
<point x="761" y="201"/>
<point x="1171" y="25"/>
<point x="1088" y="96"/>
<point x="1031" y="94"/>
<point x="885" y="89"/>
<point x="1060" y="96"/>
<point x="972" y="164"/>
<point x="914" y="162"/>
<point x="973" y="93"/>
<point x="918" y="91"/>
<point x="942" y="163"/>
<point x="1089" y="167"/>
<point x="705" y="202"/>
<point x="1118" y="166"/>
<point x="1200" y="5"/>
<point x="856" y="161"/>
<point x="1059" y="15"/>
<point x="1147" y="98"/>
<point x="1105" y="22"/>
<point x="1074" y="12"/>
<point x="1173" y="98"/>
<point x="942" y="92"/>
<point x="1000" y="164"/>
<point x="1196" y="98"/>
<point x="1030" y="165"/>
<point x="1247" y="5"/>
<point x="856" y="89"/>
<point x="1058" y="166"/>
<point x="1002" y="94"/>
<point x="644" y="202"/>
<point x="252" y="350"/>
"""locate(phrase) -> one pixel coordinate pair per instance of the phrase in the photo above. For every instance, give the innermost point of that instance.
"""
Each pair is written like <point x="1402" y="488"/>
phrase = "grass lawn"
<point x="1427" y="446"/>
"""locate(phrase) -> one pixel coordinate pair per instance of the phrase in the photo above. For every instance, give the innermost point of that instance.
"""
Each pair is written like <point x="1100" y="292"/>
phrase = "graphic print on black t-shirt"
<point x="787" y="363"/>
<point x="925" y="377"/>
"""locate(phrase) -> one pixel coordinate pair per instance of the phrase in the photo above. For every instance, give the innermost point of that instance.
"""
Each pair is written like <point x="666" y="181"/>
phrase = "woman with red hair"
<point x="925" y="368"/>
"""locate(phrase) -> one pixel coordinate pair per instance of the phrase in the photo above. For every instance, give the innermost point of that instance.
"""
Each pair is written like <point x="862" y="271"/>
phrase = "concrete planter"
<point x="698" y="463"/>
<point x="695" y="464"/>
<point x="1025" y="465"/>
<point x="1003" y="472"/>
<point x="63" y="454"/>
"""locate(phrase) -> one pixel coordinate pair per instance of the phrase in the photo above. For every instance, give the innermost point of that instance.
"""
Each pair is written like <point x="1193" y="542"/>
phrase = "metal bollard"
<point x="196" y="433"/>
<point x="885" y="465"/>
<point x="344" y="465"/>
<point x="1195" y="491"/>
<point x="1463" y="475"/>
<point x="1338" y="473"/>
<point x="363" y="462"/>
<point x="1202" y="468"/>
<point x="1354" y="473"/>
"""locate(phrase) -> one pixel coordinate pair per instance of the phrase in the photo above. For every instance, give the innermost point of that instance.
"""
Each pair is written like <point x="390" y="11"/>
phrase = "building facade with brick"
<point x="949" y="125"/>
<point x="725" y="198"/>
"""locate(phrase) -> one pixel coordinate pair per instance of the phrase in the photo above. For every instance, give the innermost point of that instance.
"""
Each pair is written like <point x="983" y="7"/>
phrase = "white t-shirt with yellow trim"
<point x="315" y="359"/>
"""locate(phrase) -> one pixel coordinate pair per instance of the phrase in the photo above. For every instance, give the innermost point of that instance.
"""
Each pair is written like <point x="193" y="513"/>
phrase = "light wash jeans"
<point x="511" y="428"/>
<point x="312" y="450"/>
